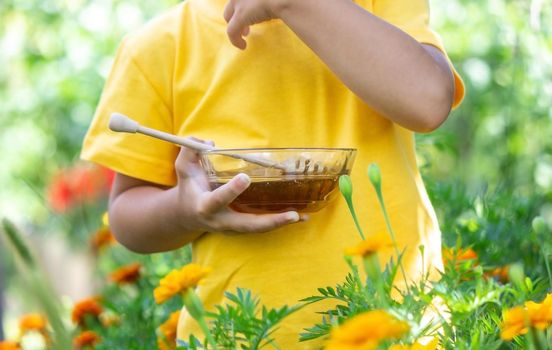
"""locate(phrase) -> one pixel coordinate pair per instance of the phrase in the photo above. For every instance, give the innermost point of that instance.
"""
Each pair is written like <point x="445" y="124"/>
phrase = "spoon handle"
<point x="121" y="123"/>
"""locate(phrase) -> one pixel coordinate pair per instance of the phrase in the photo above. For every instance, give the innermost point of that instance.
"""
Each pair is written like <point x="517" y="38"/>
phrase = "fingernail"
<point x="243" y="178"/>
<point x="292" y="216"/>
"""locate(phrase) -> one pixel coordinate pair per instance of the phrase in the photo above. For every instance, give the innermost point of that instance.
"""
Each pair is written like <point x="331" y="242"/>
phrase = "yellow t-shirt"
<point x="180" y="74"/>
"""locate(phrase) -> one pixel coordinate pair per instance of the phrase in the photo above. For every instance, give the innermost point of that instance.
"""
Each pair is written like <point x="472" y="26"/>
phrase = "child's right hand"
<point x="208" y="210"/>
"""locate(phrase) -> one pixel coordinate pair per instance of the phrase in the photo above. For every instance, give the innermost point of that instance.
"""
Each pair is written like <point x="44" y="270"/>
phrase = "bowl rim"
<point x="264" y="149"/>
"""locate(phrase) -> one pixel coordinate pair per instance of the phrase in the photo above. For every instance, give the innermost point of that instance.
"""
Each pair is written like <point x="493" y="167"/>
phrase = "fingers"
<point x="236" y="30"/>
<point x="187" y="162"/>
<point x="250" y="223"/>
<point x="220" y="198"/>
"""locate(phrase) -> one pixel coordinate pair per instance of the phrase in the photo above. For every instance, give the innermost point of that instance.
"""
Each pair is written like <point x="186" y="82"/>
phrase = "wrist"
<point x="180" y="212"/>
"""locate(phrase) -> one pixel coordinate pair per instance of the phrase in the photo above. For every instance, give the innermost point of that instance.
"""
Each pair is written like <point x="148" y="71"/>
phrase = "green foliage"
<point x="243" y="322"/>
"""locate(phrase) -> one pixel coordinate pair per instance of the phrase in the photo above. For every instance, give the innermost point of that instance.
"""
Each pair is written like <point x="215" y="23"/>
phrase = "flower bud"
<point x="517" y="275"/>
<point x="374" y="174"/>
<point x="346" y="186"/>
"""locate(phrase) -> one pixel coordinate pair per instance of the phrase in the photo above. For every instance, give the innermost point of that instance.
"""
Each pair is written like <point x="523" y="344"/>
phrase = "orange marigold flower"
<point x="500" y="273"/>
<point x="89" y="306"/>
<point x="86" y="339"/>
<point x="179" y="281"/>
<point x="459" y="254"/>
<point x="518" y="320"/>
<point x="365" y="331"/>
<point x="371" y="245"/>
<point x="432" y="345"/>
<point x="32" y="322"/>
<point x="102" y="238"/>
<point x="9" y="345"/>
<point x="168" y="331"/>
<point x="126" y="274"/>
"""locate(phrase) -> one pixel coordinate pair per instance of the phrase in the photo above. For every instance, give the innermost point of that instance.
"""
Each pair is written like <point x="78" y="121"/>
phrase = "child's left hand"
<point x="240" y="14"/>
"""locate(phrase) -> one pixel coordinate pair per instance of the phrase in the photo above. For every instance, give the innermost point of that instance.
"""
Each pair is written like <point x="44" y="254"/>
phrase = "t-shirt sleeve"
<point x="144" y="97"/>
<point x="412" y="17"/>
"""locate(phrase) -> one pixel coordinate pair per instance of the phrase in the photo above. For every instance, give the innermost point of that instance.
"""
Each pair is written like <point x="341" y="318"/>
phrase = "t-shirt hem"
<point x="130" y="164"/>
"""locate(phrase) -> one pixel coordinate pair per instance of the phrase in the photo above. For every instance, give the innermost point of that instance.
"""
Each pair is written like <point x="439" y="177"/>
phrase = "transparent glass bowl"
<point x="273" y="190"/>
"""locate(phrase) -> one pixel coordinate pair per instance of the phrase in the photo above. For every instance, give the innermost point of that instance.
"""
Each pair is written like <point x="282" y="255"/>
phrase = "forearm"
<point x="144" y="220"/>
<point x="384" y="66"/>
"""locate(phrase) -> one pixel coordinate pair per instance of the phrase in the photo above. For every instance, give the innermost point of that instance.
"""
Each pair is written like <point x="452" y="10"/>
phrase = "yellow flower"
<point x="32" y="322"/>
<point x="432" y="345"/>
<point x="371" y="245"/>
<point x="518" y="320"/>
<point x="168" y="332"/>
<point x="365" y="331"/>
<point x="179" y="281"/>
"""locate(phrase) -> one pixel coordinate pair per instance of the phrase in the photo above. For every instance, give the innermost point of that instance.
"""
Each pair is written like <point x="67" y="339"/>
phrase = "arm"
<point x="380" y="63"/>
<point x="147" y="218"/>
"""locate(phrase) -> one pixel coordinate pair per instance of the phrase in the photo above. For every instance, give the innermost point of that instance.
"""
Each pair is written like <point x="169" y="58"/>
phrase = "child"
<point x="274" y="73"/>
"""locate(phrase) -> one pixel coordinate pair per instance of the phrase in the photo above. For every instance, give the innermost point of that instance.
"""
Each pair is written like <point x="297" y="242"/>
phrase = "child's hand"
<point x="209" y="209"/>
<point x="240" y="14"/>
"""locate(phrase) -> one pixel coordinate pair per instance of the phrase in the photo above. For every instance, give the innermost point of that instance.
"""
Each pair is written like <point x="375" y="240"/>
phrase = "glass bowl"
<point x="289" y="185"/>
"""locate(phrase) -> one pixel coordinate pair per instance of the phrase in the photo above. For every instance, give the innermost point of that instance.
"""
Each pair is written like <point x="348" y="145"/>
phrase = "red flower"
<point x="81" y="184"/>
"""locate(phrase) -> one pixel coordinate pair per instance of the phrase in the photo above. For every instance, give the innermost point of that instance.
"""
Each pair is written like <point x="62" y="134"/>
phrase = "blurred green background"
<point x="488" y="169"/>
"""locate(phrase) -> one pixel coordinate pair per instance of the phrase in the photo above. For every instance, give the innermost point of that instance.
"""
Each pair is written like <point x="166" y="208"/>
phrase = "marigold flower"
<point x="9" y="345"/>
<point x="432" y="345"/>
<point x="101" y="239"/>
<point x="179" y="281"/>
<point x="126" y="274"/>
<point x="458" y="255"/>
<point x="365" y="331"/>
<point x="32" y="322"/>
<point x="500" y="273"/>
<point x="81" y="184"/>
<point x="168" y="332"/>
<point x="371" y="245"/>
<point x="518" y="320"/>
<point x="86" y="339"/>
<point x="85" y="307"/>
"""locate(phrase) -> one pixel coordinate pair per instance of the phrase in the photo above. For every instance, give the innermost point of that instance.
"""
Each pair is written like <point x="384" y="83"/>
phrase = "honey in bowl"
<point x="277" y="195"/>
<point x="298" y="179"/>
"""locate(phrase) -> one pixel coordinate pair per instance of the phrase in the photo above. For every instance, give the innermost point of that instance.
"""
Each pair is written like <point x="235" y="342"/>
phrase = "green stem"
<point x="353" y="214"/>
<point x="203" y="325"/>
<point x="392" y="233"/>
<point x="195" y="309"/>
<point x="547" y="264"/>
<point x="373" y="270"/>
